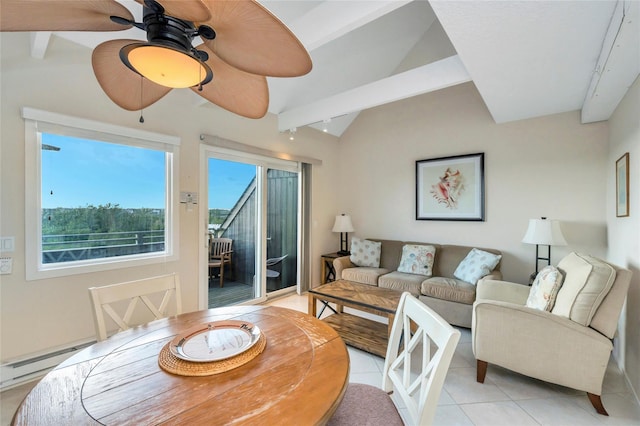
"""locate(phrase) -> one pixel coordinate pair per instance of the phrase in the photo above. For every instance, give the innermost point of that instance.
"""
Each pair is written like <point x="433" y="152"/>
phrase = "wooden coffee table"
<point x="361" y="333"/>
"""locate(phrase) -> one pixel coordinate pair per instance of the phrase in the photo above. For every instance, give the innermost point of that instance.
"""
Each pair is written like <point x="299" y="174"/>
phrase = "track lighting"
<point x="325" y="125"/>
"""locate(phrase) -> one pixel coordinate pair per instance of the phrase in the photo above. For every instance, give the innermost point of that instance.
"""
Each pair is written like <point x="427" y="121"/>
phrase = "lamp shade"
<point x="544" y="232"/>
<point x="343" y="224"/>
<point x="166" y="65"/>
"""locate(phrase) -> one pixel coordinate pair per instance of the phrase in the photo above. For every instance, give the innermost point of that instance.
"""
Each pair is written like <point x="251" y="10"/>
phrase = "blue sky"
<point x="95" y="173"/>
<point x="227" y="182"/>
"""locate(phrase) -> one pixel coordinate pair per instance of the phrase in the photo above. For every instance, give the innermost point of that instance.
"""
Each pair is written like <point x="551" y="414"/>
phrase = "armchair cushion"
<point x="365" y="252"/>
<point x="477" y="264"/>
<point x="545" y="289"/>
<point x="587" y="281"/>
<point x="417" y="259"/>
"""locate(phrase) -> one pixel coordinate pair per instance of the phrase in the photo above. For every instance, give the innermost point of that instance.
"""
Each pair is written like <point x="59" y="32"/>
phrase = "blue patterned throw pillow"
<point x="476" y="265"/>
<point x="365" y="252"/>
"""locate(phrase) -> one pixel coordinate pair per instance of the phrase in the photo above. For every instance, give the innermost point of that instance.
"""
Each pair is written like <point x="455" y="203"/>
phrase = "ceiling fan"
<point x="242" y="44"/>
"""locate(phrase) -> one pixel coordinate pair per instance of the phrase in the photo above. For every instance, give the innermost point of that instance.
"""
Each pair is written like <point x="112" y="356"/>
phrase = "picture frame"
<point x="450" y="188"/>
<point x="622" y="186"/>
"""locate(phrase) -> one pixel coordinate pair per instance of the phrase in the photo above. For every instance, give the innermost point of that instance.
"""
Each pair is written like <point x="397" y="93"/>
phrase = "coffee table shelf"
<point x="361" y="333"/>
<point x="356" y="331"/>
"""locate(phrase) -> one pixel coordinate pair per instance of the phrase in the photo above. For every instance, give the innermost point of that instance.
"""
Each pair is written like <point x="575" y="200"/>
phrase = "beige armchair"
<point x="570" y="345"/>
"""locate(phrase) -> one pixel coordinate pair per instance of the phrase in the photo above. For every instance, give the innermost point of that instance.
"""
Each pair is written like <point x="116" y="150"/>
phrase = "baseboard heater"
<point x="24" y="370"/>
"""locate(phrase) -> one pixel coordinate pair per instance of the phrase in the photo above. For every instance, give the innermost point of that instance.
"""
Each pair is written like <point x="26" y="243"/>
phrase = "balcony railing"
<point x="73" y="247"/>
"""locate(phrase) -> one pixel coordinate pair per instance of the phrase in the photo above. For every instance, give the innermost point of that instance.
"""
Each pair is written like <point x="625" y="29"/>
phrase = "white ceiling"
<point x="527" y="58"/>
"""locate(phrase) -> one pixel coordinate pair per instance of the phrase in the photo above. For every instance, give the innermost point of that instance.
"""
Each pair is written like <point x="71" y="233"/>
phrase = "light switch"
<point x="7" y="243"/>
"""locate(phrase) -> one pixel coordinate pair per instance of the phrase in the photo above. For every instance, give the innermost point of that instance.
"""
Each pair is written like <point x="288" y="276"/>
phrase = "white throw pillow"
<point x="545" y="288"/>
<point x="587" y="282"/>
<point x="476" y="265"/>
<point x="417" y="259"/>
<point x="365" y="252"/>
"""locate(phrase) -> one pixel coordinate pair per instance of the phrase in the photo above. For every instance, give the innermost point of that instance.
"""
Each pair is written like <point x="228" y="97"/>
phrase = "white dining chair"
<point x="419" y="353"/>
<point x="103" y="300"/>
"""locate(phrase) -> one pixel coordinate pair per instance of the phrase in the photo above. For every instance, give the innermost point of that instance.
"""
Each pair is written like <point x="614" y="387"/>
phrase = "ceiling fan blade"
<point x="124" y="87"/>
<point x="250" y="38"/>
<point x="189" y="10"/>
<point x="235" y="90"/>
<point x="61" y="15"/>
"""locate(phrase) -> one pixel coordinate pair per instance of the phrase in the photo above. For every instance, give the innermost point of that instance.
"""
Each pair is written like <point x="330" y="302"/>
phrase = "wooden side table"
<point x="328" y="272"/>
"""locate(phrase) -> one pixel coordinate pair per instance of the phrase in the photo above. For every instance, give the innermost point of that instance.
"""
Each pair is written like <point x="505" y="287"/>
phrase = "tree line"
<point x="109" y="218"/>
<point x="100" y="219"/>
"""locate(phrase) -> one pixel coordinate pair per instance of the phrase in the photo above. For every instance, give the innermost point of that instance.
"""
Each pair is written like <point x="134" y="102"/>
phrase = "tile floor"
<point x="505" y="398"/>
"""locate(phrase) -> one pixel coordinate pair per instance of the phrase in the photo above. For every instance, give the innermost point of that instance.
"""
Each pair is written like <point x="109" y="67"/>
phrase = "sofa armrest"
<point x="502" y="291"/>
<point x="540" y="344"/>
<point x="341" y="263"/>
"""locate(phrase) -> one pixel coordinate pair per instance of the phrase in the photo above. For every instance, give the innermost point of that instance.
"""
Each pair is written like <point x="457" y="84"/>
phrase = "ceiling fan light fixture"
<point x="166" y="65"/>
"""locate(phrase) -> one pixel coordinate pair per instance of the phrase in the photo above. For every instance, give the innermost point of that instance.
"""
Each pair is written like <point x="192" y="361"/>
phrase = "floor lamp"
<point x="543" y="232"/>
<point x="343" y="226"/>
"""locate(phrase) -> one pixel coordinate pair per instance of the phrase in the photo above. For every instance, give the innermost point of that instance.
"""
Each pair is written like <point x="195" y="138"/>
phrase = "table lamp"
<point x="543" y="232"/>
<point x="343" y="226"/>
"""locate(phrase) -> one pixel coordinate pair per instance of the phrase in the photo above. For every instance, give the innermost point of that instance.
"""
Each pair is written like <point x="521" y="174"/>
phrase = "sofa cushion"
<point x="365" y="252"/>
<point x="401" y="281"/>
<point x="545" y="288"/>
<point x="449" y="289"/>
<point x="587" y="281"/>
<point x="363" y="274"/>
<point x="476" y="265"/>
<point x="417" y="259"/>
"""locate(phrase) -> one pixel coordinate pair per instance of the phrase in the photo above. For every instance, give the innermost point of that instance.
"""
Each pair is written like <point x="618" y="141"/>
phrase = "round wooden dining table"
<point x="299" y="378"/>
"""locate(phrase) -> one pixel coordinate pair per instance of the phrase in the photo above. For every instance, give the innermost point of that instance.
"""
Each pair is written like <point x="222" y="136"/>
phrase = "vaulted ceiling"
<point x="526" y="58"/>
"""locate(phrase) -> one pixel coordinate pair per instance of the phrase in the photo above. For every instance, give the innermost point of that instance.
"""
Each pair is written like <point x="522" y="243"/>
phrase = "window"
<point x="98" y="196"/>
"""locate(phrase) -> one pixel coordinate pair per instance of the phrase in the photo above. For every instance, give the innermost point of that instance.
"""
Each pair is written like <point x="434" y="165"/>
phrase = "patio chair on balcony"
<point x="273" y="262"/>
<point x="220" y="253"/>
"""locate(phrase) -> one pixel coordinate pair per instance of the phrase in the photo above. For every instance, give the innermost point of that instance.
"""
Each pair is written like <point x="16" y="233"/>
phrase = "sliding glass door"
<point x="232" y="215"/>
<point x="282" y="229"/>
<point x="251" y="204"/>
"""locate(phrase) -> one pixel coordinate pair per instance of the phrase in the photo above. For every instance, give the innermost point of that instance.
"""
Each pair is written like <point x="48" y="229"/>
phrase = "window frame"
<point x="39" y="121"/>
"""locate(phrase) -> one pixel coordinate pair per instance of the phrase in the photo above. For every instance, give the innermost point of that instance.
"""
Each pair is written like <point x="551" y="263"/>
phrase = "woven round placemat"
<point x="172" y="364"/>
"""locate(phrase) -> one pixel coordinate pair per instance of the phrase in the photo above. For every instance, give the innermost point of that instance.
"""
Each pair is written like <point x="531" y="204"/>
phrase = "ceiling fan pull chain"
<point x="141" y="109"/>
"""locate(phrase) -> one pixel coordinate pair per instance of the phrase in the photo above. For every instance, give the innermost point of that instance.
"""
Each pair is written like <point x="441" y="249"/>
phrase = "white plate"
<point x="215" y="341"/>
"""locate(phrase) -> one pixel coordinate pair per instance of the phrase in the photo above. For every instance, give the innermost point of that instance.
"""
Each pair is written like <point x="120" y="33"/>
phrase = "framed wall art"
<point x="450" y="188"/>
<point x="622" y="186"/>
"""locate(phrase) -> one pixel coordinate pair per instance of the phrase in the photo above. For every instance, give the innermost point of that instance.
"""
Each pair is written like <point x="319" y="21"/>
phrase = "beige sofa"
<point x="569" y="345"/>
<point x="450" y="297"/>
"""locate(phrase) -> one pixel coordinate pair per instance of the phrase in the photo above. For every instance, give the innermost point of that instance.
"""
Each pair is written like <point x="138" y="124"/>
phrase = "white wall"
<point x="551" y="166"/>
<point x="624" y="232"/>
<point x="43" y="314"/>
